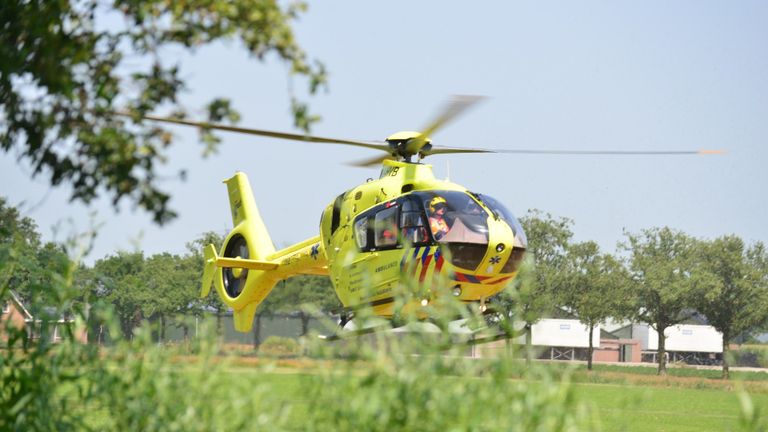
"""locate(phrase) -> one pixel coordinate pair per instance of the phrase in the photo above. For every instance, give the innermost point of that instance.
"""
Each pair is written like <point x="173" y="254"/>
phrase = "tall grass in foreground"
<point x="418" y="378"/>
<point x="413" y="380"/>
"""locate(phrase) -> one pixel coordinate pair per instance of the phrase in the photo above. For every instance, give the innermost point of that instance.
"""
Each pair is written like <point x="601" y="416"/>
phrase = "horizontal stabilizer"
<point x="246" y="263"/>
<point x="209" y="269"/>
<point x="213" y="260"/>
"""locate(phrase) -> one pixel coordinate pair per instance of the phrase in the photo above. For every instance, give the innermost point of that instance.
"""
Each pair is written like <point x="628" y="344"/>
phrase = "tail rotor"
<point x="233" y="278"/>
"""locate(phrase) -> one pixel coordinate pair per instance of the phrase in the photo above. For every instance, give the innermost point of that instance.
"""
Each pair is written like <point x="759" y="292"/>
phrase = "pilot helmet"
<point x="437" y="203"/>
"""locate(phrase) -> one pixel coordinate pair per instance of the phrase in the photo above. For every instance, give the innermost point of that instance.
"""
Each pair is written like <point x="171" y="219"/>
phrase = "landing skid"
<point x="465" y="337"/>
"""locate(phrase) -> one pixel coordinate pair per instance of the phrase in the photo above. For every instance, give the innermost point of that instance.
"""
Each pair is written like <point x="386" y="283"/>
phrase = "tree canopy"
<point x="732" y="288"/>
<point x="661" y="266"/>
<point x="66" y="68"/>
<point x="532" y="293"/>
<point x="595" y="288"/>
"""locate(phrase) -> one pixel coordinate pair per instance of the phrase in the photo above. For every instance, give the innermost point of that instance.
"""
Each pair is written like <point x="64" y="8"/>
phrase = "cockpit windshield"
<point x="455" y="217"/>
<point x="499" y="210"/>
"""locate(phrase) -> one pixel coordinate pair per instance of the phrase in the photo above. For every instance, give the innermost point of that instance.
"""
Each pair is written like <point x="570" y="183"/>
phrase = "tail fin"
<point x="246" y="215"/>
<point x="248" y="267"/>
<point x="241" y="272"/>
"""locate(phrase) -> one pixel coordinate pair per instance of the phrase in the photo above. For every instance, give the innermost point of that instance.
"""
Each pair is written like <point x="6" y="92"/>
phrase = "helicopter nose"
<point x="519" y="246"/>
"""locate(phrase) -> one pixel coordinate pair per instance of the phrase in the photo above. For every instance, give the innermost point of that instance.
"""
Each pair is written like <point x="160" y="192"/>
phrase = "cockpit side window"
<point x="336" y="214"/>
<point x="361" y="233"/>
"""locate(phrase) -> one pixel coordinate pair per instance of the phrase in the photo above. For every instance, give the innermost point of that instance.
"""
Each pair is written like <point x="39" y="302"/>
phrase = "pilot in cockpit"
<point x="437" y="223"/>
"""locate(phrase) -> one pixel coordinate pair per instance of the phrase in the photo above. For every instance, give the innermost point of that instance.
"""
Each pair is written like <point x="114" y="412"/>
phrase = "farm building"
<point x="557" y="339"/>
<point x="689" y="343"/>
<point x="568" y="339"/>
<point x="15" y="314"/>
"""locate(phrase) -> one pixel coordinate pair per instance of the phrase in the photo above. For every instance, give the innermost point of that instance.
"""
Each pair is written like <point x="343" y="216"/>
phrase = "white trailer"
<point x="688" y="338"/>
<point x="572" y="333"/>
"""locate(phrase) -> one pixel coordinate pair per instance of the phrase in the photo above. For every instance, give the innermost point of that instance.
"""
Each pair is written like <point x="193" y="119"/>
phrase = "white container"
<point x="688" y="338"/>
<point x="563" y="333"/>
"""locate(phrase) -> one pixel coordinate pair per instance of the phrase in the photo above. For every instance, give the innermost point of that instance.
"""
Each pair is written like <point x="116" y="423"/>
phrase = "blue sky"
<point x="558" y="75"/>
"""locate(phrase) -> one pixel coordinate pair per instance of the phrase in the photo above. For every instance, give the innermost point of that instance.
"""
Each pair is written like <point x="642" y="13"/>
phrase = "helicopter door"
<point x="377" y="235"/>
<point x="385" y="265"/>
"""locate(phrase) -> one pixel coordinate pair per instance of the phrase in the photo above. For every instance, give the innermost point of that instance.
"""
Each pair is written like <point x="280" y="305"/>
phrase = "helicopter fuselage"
<point x="405" y="229"/>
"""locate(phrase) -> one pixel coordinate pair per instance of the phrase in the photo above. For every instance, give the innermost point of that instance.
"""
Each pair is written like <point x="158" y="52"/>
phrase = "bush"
<point x="276" y="346"/>
<point x="419" y="379"/>
<point x="751" y="356"/>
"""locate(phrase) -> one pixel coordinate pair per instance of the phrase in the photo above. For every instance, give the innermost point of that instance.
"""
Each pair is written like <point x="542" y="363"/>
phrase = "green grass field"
<point x="645" y="408"/>
<point x="656" y="406"/>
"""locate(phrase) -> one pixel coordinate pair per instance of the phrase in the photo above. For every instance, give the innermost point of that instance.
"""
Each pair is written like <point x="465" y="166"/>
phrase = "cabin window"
<point x="412" y="224"/>
<point x="379" y="228"/>
<point x="361" y="233"/>
<point x="386" y="228"/>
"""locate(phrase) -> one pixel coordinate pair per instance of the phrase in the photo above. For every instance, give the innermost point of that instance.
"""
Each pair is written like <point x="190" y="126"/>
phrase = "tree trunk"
<point x="726" y="366"/>
<point x="528" y="344"/>
<point x="662" y="352"/>
<point x="591" y="349"/>
<point x="257" y="332"/>
<point x="304" y="323"/>
<point x="128" y="323"/>
<point x="162" y="329"/>
<point x="135" y="321"/>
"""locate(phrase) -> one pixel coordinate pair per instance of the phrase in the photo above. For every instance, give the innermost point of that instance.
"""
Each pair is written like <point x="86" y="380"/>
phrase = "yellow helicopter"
<point x="404" y="228"/>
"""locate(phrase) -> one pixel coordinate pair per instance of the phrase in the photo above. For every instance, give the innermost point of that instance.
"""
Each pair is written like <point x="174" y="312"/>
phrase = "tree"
<point x="19" y="243"/>
<point x="594" y="288"/>
<point x="84" y="278"/>
<point x="212" y="302"/>
<point x="661" y="265"/>
<point x="302" y="290"/>
<point x="30" y="263"/>
<point x="189" y="269"/>
<point x="526" y="302"/>
<point x="732" y="283"/>
<point x="540" y="277"/>
<point x="119" y="283"/>
<point x="548" y="241"/>
<point x="171" y="291"/>
<point x="67" y="66"/>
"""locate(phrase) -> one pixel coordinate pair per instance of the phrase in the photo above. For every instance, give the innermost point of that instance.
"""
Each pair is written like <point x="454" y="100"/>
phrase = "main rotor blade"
<point x="447" y="150"/>
<point x="271" y="134"/>
<point x="612" y="152"/>
<point x="456" y="106"/>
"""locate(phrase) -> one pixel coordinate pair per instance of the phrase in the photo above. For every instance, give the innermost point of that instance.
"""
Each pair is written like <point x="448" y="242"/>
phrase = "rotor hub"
<point x="406" y="144"/>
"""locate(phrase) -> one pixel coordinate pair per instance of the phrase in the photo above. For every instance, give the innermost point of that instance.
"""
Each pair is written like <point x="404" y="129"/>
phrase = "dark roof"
<point x="15" y="298"/>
